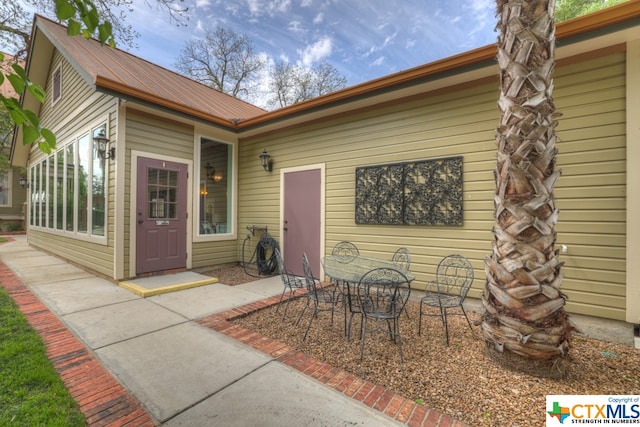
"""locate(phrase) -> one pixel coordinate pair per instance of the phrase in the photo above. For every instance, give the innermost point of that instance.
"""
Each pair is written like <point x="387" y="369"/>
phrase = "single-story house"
<point x="180" y="184"/>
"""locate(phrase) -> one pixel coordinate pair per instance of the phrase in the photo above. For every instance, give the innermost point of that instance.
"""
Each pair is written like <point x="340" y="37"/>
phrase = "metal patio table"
<point x="348" y="273"/>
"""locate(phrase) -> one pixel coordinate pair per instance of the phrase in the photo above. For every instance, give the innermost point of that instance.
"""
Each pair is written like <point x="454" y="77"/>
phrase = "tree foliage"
<point x="291" y="83"/>
<point x="223" y="60"/>
<point x="89" y="18"/>
<point x="568" y="9"/>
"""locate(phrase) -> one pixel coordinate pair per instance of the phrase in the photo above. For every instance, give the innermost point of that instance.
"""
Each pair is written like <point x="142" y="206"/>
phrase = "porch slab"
<point x="205" y="300"/>
<point x="162" y="284"/>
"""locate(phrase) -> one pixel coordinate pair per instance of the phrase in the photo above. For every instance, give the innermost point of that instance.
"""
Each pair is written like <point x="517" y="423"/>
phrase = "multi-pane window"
<point x="68" y="189"/>
<point x="215" y="214"/>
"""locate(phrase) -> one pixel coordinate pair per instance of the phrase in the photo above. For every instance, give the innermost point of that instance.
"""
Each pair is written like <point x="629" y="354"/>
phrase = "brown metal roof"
<point x="123" y="73"/>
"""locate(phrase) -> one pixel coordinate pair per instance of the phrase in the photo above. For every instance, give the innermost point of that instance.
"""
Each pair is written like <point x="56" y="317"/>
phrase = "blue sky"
<point x="363" y="39"/>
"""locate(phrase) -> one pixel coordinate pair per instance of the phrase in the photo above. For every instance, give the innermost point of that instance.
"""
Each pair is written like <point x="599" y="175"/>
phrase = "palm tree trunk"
<point x="525" y="319"/>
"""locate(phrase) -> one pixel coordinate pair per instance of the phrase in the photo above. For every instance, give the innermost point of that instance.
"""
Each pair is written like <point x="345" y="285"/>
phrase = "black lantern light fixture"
<point x="212" y="174"/>
<point x="265" y="161"/>
<point x="100" y="137"/>
<point x="23" y="181"/>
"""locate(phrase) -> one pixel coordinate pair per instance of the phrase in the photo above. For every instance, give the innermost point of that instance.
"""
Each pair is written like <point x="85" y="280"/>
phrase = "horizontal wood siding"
<point x="150" y="134"/>
<point x="590" y="95"/>
<point x="68" y="121"/>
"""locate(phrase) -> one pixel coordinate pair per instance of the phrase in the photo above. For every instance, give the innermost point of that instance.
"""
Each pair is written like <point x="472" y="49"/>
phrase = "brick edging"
<point x="102" y="399"/>
<point x="377" y="397"/>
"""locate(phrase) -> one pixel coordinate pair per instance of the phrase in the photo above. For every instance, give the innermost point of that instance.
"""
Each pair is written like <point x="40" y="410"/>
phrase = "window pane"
<point x="49" y="201"/>
<point x="215" y="187"/>
<point x="35" y="194"/>
<point x="4" y="187"/>
<point x="59" y="189"/>
<point x="70" y="176"/>
<point x="98" y="213"/>
<point x="83" y="182"/>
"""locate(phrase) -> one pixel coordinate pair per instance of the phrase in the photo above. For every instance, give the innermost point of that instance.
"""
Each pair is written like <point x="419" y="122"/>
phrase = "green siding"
<point x="590" y="193"/>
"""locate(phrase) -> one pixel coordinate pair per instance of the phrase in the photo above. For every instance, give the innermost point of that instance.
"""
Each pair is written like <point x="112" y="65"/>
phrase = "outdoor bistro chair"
<point x="323" y="299"/>
<point x="402" y="259"/>
<point x="454" y="276"/>
<point x="382" y="295"/>
<point x="344" y="252"/>
<point x="291" y="283"/>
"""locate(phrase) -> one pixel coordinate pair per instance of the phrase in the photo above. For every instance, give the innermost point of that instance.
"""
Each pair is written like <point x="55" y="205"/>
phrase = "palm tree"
<point x="525" y="326"/>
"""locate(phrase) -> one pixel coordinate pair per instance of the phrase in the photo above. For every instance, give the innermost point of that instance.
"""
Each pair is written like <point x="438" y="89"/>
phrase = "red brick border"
<point x="102" y="399"/>
<point x="377" y="397"/>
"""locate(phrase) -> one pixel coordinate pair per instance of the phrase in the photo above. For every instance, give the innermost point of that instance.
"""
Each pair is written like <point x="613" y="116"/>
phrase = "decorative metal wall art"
<point x="425" y="192"/>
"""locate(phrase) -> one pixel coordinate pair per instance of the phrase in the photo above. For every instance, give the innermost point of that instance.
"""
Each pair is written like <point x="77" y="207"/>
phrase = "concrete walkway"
<point x="174" y="359"/>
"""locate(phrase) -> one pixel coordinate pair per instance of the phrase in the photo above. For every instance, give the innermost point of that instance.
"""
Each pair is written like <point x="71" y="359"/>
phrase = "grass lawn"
<point x="31" y="391"/>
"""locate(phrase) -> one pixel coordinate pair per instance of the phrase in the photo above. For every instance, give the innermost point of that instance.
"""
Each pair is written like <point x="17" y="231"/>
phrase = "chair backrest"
<point x="284" y="274"/>
<point x="454" y="275"/>
<point x="345" y="251"/>
<point x="383" y="292"/>
<point x="402" y="259"/>
<point x="310" y="281"/>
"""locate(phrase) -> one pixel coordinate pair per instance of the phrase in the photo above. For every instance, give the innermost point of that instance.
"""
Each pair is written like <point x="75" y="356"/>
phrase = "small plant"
<point x="11" y="226"/>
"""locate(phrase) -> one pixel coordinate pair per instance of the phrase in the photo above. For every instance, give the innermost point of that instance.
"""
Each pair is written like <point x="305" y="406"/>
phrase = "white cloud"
<point x="319" y="18"/>
<point x="378" y="62"/>
<point x="306" y="3"/>
<point x="203" y="3"/>
<point x="296" y="27"/>
<point x="316" y="52"/>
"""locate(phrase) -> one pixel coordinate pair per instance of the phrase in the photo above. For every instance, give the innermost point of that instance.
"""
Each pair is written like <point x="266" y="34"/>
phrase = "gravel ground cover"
<point x="459" y="380"/>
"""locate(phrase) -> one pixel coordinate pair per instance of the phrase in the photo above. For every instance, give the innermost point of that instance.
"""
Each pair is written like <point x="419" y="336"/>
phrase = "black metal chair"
<point x="382" y="295"/>
<point x="454" y="276"/>
<point x="402" y="258"/>
<point x="323" y="299"/>
<point x="344" y="252"/>
<point x="291" y="283"/>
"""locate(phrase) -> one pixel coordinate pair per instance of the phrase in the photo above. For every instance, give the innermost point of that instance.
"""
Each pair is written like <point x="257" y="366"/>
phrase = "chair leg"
<point x="446" y="326"/>
<point x="466" y="317"/>
<point x="313" y="315"/>
<point x="363" y="335"/>
<point x="286" y="305"/>
<point x="303" y="311"/>
<point x="420" y="320"/>
<point x="280" y="300"/>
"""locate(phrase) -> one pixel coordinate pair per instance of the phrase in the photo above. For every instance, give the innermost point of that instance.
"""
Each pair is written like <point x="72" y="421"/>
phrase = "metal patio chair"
<point x="344" y="252"/>
<point x="402" y="258"/>
<point x="323" y="299"/>
<point x="454" y="276"/>
<point x="382" y="295"/>
<point x="290" y="282"/>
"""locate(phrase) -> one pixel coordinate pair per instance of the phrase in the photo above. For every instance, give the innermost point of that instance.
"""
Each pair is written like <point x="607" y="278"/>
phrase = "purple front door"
<point x="161" y="216"/>
<point x="302" y="219"/>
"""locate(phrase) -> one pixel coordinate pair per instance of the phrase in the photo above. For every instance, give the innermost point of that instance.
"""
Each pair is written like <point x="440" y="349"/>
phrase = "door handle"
<point x="284" y="227"/>
<point x="140" y="220"/>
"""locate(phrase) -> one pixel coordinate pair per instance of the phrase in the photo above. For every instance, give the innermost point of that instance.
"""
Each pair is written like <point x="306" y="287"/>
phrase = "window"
<point x="5" y="179"/>
<point x="57" y="85"/>
<point x="215" y="198"/>
<point x="68" y="189"/>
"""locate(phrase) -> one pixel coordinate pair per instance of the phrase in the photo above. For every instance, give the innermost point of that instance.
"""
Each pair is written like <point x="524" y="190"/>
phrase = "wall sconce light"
<point x="100" y="137"/>
<point x="23" y="182"/>
<point x="265" y="161"/>
<point x="212" y="174"/>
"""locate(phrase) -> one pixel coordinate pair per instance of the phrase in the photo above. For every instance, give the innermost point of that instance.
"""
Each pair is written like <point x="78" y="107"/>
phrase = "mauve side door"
<point x="302" y="219"/>
<point x="161" y="215"/>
